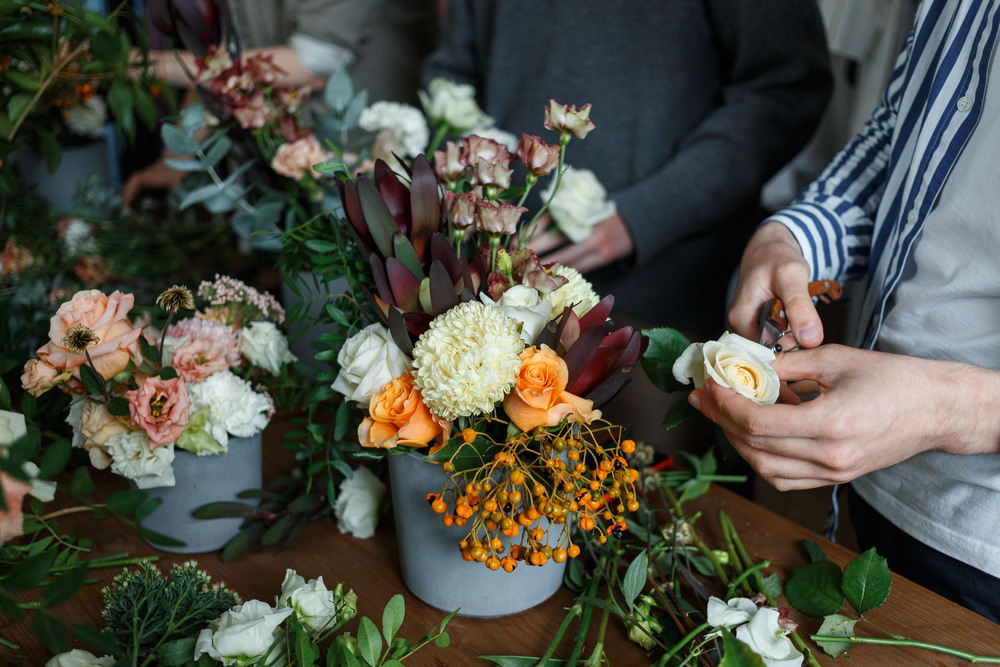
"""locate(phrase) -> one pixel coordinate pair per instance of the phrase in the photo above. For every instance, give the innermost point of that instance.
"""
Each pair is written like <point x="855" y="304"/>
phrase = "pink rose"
<point x="12" y="519"/>
<point x="296" y="159"/>
<point x="107" y="317"/>
<point x="160" y="408"/>
<point x="567" y="120"/>
<point x="198" y="359"/>
<point x="539" y="157"/>
<point x="38" y="377"/>
<point x="96" y="426"/>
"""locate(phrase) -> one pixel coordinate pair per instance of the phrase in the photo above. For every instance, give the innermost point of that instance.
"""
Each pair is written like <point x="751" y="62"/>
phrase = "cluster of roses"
<point x="138" y="393"/>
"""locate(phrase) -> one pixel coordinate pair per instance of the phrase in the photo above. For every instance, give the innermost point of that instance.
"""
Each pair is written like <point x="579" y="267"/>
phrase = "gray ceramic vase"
<point x="201" y="480"/>
<point x="302" y="346"/>
<point x="431" y="564"/>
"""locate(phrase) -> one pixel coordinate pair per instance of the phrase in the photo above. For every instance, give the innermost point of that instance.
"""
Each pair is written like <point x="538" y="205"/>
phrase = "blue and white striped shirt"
<point x="867" y="207"/>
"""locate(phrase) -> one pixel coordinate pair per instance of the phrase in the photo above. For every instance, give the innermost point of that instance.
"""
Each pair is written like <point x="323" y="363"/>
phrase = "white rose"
<point x="233" y="403"/>
<point x="732" y="361"/>
<point x="769" y="640"/>
<point x="722" y="614"/>
<point x="265" y="346"/>
<point x="580" y="203"/>
<point x="453" y="103"/>
<point x="80" y="658"/>
<point x="314" y="604"/>
<point x="358" y="502"/>
<point x="244" y="632"/>
<point x="525" y="305"/>
<point x="368" y="361"/>
<point x="131" y="458"/>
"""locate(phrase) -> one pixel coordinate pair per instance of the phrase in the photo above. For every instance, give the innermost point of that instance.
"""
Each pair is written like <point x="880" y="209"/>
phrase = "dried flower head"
<point x="79" y="338"/>
<point x="175" y="298"/>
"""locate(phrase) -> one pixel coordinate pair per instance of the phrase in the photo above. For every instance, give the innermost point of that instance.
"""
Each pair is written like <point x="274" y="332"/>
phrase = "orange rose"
<point x="107" y="316"/>
<point x="398" y="416"/>
<point x="539" y="397"/>
<point x="38" y="377"/>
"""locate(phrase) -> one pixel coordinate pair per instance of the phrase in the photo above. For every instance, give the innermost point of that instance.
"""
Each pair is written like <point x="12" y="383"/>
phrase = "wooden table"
<point x="371" y="568"/>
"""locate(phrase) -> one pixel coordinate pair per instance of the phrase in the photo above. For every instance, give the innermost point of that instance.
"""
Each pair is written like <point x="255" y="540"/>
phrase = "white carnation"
<point x="87" y="119"/>
<point x="406" y="124"/>
<point x="233" y="403"/>
<point x="580" y="203"/>
<point x="131" y="458"/>
<point x="263" y="344"/>
<point x="578" y="293"/>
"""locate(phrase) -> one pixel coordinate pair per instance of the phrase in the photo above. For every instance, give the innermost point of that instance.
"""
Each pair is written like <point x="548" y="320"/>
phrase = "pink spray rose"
<point x="160" y="408"/>
<point x="107" y="317"/>
<point x="297" y="158"/>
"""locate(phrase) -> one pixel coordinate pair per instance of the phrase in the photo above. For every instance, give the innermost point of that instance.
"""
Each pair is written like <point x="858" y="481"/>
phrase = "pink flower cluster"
<point x="233" y="302"/>
<point x="246" y="90"/>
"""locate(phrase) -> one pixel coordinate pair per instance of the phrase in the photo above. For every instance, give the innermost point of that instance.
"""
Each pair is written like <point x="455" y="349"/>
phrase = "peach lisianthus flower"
<point x="196" y="360"/>
<point x="398" y="416"/>
<point x="160" y="408"/>
<point x="107" y="318"/>
<point x="12" y="519"/>
<point x="296" y="159"/>
<point x="539" y="397"/>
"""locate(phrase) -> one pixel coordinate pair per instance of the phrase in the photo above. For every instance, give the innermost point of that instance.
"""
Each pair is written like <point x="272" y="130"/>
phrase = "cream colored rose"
<point x="368" y="361"/>
<point x="96" y="426"/>
<point x="265" y="346"/>
<point x="580" y="203"/>
<point x="297" y="159"/>
<point x="445" y="101"/>
<point x="358" y="502"/>
<point x="525" y="305"/>
<point x="732" y="361"/>
<point x="244" y="632"/>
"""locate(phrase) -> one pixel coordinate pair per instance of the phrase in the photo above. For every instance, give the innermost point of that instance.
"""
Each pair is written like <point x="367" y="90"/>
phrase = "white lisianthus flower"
<point x="525" y="305"/>
<point x="314" y="604"/>
<point x="769" y="640"/>
<point x="78" y="237"/>
<point x="723" y="614"/>
<point x="580" y="203"/>
<point x="467" y="360"/>
<point x="368" y="361"/>
<point x="445" y="101"/>
<point x="358" y="502"/>
<point x="131" y="458"/>
<point x="406" y="124"/>
<point x="265" y="346"/>
<point x="233" y="403"/>
<point x="244" y="632"/>
<point x="732" y="361"/>
<point x="80" y="658"/>
<point x="87" y="119"/>
<point x="578" y="293"/>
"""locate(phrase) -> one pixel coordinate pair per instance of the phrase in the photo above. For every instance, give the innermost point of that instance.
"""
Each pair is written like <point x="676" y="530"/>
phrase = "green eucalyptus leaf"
<point x="841" y="626"/>
<point x="815" y="589"/>
<point x="176" y="141"/>
<point x="184" y="165"/>
<point x="867" y="581"/>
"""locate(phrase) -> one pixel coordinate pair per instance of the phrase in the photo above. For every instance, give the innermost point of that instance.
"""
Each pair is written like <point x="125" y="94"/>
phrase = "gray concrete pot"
<point x="302" y="346"/>
<point x="201" y="480"/>
<point x="432" y="566"/>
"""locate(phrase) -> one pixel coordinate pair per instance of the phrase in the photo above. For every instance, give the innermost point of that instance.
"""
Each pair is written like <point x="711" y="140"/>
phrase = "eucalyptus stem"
<point x="913" y="643"/>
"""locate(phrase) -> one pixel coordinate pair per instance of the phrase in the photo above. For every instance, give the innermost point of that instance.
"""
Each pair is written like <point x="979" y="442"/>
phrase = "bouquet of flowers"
<point x="494" y="361"/>
<point x="139" y="394"/>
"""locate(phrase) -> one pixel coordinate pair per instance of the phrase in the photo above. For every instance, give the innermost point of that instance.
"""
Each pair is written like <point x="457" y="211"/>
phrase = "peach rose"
<point x="398" y="416"/>
<point x="198" y="359"/>
<point x="107" y="316"/>
<point x="160" y="408"/>
<point x="297" y="158"/>
<point x="12" y="519"/>
<point x="38" y="377"/>
<point x="539" y="397"/>
<point x="96" y="426"/>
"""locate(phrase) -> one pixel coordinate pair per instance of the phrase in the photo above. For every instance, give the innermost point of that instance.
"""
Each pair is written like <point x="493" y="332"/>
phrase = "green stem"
<point x="588" y="612"/>
<point x="574" y="611"/>
<point x="687" y="638"/>
<point x="965" y="655"/>
<point x="8" y="643"/>
<point x="743" y="577"/>
<point x="439" y="135"/>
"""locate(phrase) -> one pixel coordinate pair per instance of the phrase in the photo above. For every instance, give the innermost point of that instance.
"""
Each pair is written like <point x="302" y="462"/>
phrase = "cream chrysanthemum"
<point x="577" y="293"/>
<point x="467" y="360"/>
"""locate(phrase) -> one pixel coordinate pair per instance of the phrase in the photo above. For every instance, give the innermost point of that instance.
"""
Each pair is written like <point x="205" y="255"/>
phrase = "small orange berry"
<point x="469" y="434"/>
<point x="628" y="446"/>
<point x="493" y="563"/>
<point x="573" y="551"/>
<point x="559" y="555"/>
<point x="517" y="477"/>
<point x="439" y="506"/>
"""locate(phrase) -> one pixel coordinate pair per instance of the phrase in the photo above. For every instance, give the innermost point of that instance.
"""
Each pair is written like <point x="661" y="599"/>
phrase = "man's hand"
<point x="773" y="266"/>
<point x="874" y="409"/>
<point x="611" y="241"/>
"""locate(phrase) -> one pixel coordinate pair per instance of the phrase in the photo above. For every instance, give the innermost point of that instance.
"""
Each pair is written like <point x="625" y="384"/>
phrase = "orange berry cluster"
<point x="532" y="488"/>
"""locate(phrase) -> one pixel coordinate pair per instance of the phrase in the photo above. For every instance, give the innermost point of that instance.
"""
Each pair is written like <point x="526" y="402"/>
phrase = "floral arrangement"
<point x="138" y="394"/>
<point x="184" y="618"/>
<point x="493" y="361"/>
<point x="63" y="69"/>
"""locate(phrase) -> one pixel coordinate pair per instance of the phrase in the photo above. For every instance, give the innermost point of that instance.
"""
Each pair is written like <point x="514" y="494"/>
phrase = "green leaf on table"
<point x="519" y="661"/>
<point x="225" y="509"/>
<point x="51" y="631"/>
<point x="339" y="654"/>
<point x="635" y="578"/>
<point x="737" y="654"/>
<point x="815" y="551"/>
<point x="841" y="626"/>
<point x="443" y="640"/>
<point x="693" y="488"/>
<point x="369" y="641"/>
<point x="447" y="618"/>
<point x="95" y="639"/>
<point x="63" y="587"/>
<point x="665" y="345"/>
<point x="867" y="581"/>
<point x="392" y="617"/>
<point x="815" y="589"/>
<point x="772" y="585"/>
<point x="28" y="573"/>
<point x="124" y="501"/>
<point x="9" y="606"/>
<point x="246" y="538"/>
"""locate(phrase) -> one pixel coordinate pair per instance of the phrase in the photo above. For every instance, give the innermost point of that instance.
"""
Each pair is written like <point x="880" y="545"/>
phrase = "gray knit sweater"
<point x="696" y="103"/>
